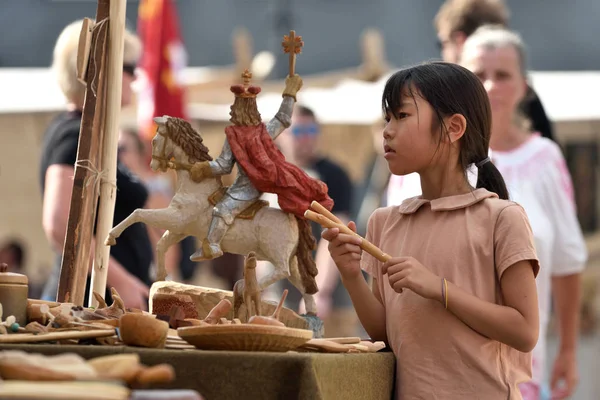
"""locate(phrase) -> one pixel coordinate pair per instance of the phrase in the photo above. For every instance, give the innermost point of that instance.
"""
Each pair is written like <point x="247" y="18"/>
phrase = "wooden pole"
<point x="108" y="188"/>
<point x="84" y="200"/>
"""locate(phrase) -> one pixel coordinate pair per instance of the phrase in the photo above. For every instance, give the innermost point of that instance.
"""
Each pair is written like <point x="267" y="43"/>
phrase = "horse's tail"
<point x="306" y="263"/>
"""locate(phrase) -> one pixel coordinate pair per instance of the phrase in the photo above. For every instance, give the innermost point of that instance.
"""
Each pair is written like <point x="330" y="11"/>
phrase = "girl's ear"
<point x="456" y="126"/>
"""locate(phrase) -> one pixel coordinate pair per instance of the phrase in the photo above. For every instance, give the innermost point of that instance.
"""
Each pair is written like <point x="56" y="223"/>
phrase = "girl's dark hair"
<point x="451" y="89"/>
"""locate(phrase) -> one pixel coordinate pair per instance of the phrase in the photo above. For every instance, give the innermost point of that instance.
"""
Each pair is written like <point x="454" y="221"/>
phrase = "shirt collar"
<point x="410" y="206"/>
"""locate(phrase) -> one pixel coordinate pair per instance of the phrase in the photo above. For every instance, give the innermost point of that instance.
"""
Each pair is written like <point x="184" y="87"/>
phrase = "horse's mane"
<point x="181" y="132"/>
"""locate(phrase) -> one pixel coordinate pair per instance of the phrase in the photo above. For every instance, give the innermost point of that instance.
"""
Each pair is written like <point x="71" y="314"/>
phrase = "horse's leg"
<point x="295" y="279"/>
<point x="162" y="218"/>
<point x="167" y="240"/>
<point x="280" y="272"/>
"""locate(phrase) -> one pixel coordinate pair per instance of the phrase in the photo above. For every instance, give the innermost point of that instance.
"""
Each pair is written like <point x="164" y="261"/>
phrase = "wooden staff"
<point x="328" y="223"/>
<point x="108" y="188"/>
<point x="84" y="200"/>
<point x="292" y="44"/>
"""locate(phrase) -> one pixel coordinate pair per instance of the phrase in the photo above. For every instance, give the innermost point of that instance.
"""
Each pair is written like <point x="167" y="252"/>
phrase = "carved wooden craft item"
<point x="13" y="294"/>
<point x="247" y="291"/>
<point x="22" y="366"/>
<point x="234" y="219"/>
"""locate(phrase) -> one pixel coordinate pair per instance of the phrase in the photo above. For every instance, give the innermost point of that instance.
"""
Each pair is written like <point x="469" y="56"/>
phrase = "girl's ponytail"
<point x="488" y="177"/>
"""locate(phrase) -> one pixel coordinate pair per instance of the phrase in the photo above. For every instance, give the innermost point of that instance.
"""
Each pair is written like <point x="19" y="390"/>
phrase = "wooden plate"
<point x="245" y="337"/>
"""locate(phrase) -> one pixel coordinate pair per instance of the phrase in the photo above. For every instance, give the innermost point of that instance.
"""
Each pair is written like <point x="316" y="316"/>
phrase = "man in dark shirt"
<point x="305" y="133"/>
<point x="456" y="20"/>
<point x="333" y="301"/>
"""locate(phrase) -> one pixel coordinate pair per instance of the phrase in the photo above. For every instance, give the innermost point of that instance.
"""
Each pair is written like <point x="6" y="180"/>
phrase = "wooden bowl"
<point x="143" y="330"/>
<point x="245" y="337"/>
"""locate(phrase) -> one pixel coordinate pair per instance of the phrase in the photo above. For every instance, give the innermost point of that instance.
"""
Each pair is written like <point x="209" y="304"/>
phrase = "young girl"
<point x="458" y="303"/>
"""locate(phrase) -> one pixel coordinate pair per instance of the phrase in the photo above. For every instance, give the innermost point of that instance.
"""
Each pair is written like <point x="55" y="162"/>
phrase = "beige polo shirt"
<point x="470" y="240"/>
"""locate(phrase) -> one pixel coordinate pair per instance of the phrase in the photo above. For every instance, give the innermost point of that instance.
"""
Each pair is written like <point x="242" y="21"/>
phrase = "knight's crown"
<point x="245" y="90"/>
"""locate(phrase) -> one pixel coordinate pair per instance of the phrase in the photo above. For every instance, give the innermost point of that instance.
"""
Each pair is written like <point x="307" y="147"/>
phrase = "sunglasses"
<point x="129" y="69"/>
<point x="305" y="130"/>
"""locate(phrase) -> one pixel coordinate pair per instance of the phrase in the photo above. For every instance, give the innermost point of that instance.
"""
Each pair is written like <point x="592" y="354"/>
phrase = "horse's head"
<point x="162" y="147"/>
<point x="176" y="139"/>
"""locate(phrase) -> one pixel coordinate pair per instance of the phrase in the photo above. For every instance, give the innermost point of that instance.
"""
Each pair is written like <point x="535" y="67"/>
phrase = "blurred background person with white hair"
<point x="537" y="177"/>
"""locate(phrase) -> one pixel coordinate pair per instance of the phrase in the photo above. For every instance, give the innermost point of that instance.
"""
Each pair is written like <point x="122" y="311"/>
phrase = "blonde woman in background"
<point x="131" y="258"/>
<point x="537" y="177"/>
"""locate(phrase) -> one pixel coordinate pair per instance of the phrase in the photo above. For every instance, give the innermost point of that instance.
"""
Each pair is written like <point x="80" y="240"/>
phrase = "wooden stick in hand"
<point x="316" y="206"/>
<point x="364" y="244"/>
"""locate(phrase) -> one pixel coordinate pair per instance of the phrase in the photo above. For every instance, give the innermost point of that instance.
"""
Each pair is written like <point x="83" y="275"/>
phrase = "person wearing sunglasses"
<point x="301" y="146"/>
<point x="131" y="258"/>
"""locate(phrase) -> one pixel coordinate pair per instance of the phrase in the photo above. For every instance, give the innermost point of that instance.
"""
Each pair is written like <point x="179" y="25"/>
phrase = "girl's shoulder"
<point x="496" y="210"/>
<point x="381" y="214"/>
<point x="382" y="217"/>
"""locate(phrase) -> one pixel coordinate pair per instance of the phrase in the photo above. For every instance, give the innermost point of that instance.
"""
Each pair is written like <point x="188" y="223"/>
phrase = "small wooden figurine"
<point x="247" y="290"/>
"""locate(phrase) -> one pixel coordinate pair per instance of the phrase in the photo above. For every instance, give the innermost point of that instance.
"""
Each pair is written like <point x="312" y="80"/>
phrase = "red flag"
<point x="161" y="67"/>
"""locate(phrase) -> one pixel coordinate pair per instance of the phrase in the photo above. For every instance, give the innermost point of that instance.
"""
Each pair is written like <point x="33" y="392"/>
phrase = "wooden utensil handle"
<point x="315" y="205"/>
<point x="364" y="244"/>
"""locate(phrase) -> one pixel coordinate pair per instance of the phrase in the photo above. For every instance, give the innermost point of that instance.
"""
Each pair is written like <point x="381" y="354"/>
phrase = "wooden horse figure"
<point x="281" y="238"/>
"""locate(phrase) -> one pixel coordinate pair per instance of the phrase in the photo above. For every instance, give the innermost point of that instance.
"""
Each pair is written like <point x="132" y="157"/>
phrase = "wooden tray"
<point x="245" y="337"/>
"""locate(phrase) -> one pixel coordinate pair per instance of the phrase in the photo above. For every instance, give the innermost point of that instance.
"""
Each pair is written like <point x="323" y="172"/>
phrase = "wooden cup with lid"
<point x="13" y="294"/>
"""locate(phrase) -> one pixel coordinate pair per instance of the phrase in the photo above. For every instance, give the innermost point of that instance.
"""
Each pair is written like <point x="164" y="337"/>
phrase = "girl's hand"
<point x="406" y="272"/>
<point x="345" y="251"/>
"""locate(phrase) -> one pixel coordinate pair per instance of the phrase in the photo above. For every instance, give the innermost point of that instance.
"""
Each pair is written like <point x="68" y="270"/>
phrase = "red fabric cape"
<point x="265" y="165"/>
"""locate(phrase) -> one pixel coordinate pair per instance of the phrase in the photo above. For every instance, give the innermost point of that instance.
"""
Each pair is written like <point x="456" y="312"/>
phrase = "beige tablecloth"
<point x="251" y="375"/>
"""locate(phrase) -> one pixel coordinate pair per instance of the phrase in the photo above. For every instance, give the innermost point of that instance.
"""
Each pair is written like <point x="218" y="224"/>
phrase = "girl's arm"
<point x="368" y="306"/>
<point x="516" y="323"/>
<point x="346" y="252"/>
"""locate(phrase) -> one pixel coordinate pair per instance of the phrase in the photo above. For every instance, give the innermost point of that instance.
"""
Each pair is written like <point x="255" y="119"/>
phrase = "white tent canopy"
<point x="567" y="96"/>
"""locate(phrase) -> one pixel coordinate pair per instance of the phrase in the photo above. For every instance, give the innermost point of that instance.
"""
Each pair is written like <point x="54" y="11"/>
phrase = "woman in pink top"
<point x="537" y="178"/>
<point x="457" y="303"/>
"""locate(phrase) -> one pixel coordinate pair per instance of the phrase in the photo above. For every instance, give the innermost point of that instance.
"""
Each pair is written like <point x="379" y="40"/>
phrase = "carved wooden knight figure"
<point x="261" y="166"/>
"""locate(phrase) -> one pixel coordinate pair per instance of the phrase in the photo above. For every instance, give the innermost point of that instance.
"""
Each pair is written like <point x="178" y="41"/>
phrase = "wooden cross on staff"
<point x="292" y="44"/>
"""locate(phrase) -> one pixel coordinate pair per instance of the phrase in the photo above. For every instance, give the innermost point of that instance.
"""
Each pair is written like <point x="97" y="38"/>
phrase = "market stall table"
<point x="258" y="375"/>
